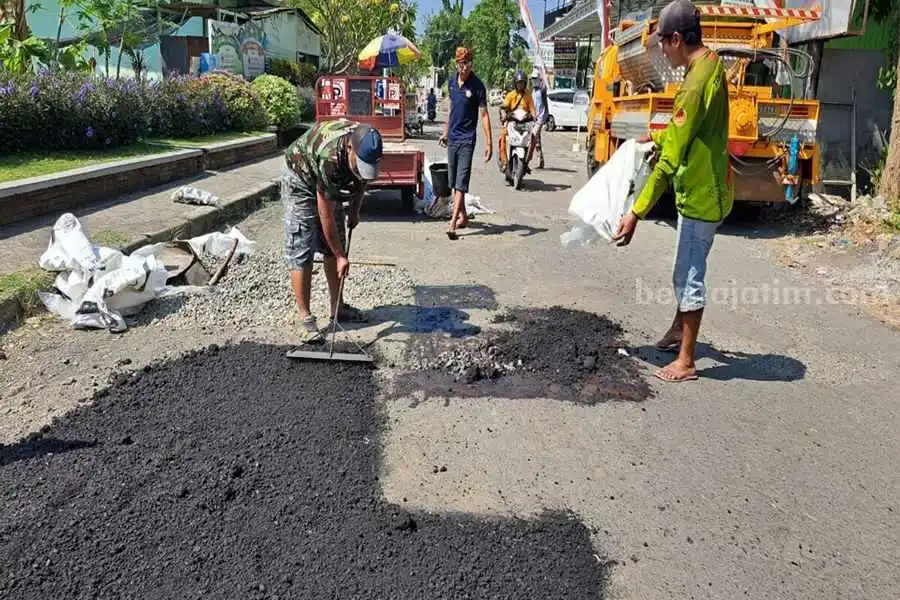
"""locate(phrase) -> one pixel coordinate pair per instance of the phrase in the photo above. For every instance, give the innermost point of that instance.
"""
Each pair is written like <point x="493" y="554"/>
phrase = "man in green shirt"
<point x="693" y="156"/>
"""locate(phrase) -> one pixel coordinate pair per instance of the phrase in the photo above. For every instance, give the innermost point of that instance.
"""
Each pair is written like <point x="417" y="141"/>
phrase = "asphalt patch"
<point x="237" y="473"/>
<point x="553" y="352"/>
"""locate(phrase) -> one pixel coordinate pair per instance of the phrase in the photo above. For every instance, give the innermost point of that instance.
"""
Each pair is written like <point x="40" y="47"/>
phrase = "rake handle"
<point x="337" y="302"/>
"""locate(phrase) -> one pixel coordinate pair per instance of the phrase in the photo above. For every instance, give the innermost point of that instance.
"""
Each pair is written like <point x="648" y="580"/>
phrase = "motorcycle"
<point x="518" y="141"/>
<point x="432" y="114"/>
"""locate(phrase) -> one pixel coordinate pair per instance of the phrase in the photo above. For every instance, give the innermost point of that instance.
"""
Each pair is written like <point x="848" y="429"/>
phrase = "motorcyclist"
<point x="518" y="98"/>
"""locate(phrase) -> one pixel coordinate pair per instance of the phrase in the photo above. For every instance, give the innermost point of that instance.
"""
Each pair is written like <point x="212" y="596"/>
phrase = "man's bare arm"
<point x="486" y="127"/>
<point x="329" y="224"/>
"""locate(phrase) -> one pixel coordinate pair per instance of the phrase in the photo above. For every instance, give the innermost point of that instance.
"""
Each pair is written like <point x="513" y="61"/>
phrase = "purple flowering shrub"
<point x="182" y="106"/>
<point x="68" y="110"/>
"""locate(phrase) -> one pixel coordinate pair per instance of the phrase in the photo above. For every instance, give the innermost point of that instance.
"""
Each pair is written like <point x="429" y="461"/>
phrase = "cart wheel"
<point x="408" y="200"/>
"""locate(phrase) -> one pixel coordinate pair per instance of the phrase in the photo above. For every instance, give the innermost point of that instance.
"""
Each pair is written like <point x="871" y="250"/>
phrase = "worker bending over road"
<point x="327" y="166"/>
<point x="693" y="155"/>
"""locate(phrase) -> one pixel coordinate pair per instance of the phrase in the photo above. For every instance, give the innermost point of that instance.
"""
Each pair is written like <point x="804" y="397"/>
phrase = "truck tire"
<point x="591" y="165"/>
<point x="408" y="200"/>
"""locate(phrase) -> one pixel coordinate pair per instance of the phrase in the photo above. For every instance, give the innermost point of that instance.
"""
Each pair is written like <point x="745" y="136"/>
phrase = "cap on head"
<point x="519" y="76"/>
<point x="678" y="16"/>
<point x="463" y="55"/>
<point x="366" y="143"/>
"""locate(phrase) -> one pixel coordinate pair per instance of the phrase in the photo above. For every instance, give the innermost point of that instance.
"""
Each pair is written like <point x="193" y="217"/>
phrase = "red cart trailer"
<point x="379" y="102"/>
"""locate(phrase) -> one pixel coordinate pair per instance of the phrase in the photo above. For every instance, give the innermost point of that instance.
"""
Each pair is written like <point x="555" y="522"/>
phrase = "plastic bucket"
<point x="440" y="181"/>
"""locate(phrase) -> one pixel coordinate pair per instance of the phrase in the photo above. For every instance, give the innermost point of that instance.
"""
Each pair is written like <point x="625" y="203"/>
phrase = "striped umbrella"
<point x="389" y="50"/>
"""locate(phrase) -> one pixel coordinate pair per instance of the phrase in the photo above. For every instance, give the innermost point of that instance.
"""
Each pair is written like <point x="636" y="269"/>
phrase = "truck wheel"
<point x="408" y="200"/>
<point x="591" y="165"/>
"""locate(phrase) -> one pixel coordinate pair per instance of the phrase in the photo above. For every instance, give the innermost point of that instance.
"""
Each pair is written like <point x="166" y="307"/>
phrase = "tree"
<point x="492" y="32"/>
<point x="889" y="183"/>
<point x="444" y="33"/>
<point x="348" y="25"/>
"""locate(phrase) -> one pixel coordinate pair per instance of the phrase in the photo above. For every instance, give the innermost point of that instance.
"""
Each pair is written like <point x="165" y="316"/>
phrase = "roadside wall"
<point x="843" y="70"/>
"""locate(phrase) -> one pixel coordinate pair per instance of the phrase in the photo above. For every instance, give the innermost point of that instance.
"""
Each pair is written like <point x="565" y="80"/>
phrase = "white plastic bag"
<point x="610" y="193"/>
<point x="219" y="244"/>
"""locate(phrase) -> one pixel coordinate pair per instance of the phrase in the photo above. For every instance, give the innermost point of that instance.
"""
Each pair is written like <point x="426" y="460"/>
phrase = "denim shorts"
<point x="459" y="165"/>
<point x="694" y="240"/>
<point x="303" y="236"/>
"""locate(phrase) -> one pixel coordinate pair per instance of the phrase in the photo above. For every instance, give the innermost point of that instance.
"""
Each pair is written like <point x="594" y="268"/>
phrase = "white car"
<point x="495" y="97"/>
<point x="568" y="108"/>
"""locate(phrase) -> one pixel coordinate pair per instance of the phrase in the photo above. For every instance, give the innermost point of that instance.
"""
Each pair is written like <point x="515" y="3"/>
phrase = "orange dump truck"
<point x="772" y="138"/>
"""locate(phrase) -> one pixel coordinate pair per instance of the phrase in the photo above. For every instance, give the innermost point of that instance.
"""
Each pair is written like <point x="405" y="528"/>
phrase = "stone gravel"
<point x="255" y="292"/>
<point x="557" y="352"/>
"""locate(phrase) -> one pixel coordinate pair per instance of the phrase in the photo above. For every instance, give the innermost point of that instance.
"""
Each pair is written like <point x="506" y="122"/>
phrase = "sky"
<point x="427" y="7"/>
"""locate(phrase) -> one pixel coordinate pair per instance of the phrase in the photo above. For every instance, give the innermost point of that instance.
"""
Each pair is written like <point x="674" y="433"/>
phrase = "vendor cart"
<point x="379" y="102"/>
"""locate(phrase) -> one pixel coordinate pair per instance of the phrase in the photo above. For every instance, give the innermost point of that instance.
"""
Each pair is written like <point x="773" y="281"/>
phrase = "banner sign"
<point x="239" y="49"/>
<point x="834" y="20"/>
<point x="535" y="41"/>
<point x="565" y="58"/>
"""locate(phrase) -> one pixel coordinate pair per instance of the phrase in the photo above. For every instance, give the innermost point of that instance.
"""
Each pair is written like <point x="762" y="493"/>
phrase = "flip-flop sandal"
<point x="452" y="235"/>
<point x="659" y="375"/>
<point x="674" y="346"/>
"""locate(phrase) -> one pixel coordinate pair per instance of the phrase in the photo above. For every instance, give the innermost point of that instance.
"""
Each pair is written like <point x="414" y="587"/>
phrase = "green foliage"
<point x="19" y="56"/>
<point x="490" y="30"/>
<point x="303" y="74"/>
<point x="66" y="110"/>
<point x="348" y="25"/>
<point x="307" y="100"/>
<point x="280" y="100"/>
<point x="241" y="100"/>
<point x="444" y="33"/>
<point x="887" y="78"/>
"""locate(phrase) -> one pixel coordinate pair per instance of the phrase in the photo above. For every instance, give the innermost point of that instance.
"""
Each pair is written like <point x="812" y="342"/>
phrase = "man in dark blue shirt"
<point x="468" y="97"/>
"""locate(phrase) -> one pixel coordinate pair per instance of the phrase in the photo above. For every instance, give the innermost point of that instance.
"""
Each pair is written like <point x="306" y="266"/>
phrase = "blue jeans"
<point x="694" y="240"/>
<point x="459" y="165"/>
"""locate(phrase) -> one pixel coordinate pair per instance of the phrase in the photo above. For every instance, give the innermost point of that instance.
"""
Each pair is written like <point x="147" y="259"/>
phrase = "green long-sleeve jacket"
<point x="694" y="147"/>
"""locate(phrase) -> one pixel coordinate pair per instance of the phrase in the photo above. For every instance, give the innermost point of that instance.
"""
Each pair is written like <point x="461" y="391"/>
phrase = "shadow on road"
<point x="410" y="318"/>
<point x="734" y="365"/>
<point x="39" y="447"/>
<point x="536" y="185"/>
<point x="475" y="228"/>
<point x="556" y="170"/>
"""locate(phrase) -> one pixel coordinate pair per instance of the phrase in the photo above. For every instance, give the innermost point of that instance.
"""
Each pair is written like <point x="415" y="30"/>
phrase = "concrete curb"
<point x="12" y="313"/>
<point x="63" y="192"/>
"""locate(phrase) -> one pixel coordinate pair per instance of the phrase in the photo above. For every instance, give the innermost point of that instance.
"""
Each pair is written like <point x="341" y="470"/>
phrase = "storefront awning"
<point x="580" y="22"/>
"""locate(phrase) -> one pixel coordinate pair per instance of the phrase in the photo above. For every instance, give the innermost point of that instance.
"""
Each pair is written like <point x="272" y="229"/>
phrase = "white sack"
<point x="219" y="244"/>
<point x="104" y="285"/>
<point x="610" y="193"/>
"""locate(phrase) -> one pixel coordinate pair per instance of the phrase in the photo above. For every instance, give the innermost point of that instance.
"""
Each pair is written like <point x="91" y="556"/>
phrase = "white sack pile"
<point x="96" y="286"/>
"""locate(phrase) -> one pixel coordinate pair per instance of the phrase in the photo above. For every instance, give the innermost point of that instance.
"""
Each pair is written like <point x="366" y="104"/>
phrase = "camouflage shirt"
<point x="320" y="159"/>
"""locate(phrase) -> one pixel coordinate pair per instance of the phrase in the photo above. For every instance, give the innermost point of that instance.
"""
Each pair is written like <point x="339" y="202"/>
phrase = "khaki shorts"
<point x="303" y="235"/>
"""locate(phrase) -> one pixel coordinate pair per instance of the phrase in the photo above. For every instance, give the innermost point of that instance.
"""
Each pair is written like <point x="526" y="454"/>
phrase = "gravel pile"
<point x="560" y="352"/>
<point x="256" y="292"/>
<point x="238" y="473"/>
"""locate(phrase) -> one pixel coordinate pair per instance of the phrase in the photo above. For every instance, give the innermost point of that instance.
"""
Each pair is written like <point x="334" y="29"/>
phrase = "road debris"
<point x="191" y="195"/>
<point x="559" y="352"/>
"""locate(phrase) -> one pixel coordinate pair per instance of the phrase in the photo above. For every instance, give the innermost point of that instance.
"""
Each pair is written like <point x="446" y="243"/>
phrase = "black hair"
<point x="692" y="36"/>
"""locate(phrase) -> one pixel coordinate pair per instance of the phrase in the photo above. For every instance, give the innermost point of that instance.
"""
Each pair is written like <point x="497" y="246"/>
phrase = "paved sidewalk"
<point x="136" y="216"/>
